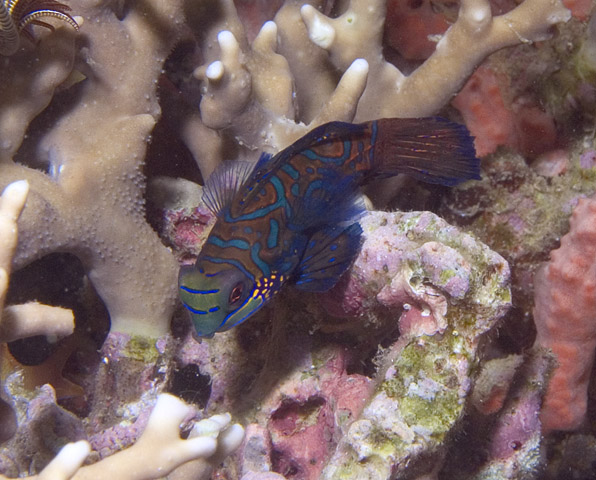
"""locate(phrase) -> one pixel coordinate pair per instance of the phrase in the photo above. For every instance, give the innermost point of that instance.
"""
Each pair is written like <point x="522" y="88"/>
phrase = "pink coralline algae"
<point x="39" y="414"/>
<point x="303" y="427"/>
<point x="588" y="159"/>
<point x="402" y="263"/>
<point x="565" y="315"/>
<point x="342" y="404"/>
<point x="508" y="441"/>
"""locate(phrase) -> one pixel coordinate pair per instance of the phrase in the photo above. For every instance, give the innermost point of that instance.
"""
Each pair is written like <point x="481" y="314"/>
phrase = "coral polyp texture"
<point x="113" y="115"/>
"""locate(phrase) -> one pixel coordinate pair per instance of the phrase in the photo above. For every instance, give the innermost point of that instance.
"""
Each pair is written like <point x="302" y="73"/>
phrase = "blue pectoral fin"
<point x="329" y="254"/>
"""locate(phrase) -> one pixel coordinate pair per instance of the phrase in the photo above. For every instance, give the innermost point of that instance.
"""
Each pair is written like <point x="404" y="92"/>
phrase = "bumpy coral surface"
<point x="430" y="291"/>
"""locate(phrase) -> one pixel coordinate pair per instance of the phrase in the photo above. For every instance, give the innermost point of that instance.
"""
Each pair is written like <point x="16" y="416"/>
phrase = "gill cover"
<point x="217" y="301"/>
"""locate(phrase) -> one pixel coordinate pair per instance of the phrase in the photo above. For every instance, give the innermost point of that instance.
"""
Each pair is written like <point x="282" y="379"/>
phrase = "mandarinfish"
<point x="293" y="217"/>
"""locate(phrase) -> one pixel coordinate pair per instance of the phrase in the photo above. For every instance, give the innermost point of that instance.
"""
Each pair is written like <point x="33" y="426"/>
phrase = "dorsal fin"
<point x="328" y="132"/>
<point x="224" y="183"/>
<point x="262" y="170"/>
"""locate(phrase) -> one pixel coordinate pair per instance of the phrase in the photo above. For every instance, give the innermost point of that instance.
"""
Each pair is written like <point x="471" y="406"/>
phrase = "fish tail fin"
<point x="433" y="149"/>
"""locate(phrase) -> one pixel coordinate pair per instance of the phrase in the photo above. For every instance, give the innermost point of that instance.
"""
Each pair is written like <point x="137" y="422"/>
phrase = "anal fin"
<point x="329" y="253"/>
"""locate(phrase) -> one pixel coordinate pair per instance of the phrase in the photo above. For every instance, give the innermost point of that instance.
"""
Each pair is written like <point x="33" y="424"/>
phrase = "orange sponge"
<point x="565" y="317"/>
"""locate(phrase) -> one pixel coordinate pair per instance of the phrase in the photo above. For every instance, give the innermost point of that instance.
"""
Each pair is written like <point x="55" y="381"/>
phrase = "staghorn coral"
<point x="353" y="35"/>
<point x="119" y="99"/>
<point x="158" y="450"/>
<point x="20" y="321"/>
<point x="93" y="188"/>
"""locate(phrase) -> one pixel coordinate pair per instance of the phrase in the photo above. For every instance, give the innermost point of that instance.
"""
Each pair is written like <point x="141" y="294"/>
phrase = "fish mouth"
<point x="201" y="336"/>
<point x="246" y="310"/>
<point x="205" y="330"/>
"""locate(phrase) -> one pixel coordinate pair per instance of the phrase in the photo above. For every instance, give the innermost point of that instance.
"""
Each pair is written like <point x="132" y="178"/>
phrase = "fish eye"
<point x="236" y="293"/>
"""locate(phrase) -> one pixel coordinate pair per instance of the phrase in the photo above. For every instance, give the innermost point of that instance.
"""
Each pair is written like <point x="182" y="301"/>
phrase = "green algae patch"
<point x="459" y="289"/>
<point x="437" y="415"/>
<point x="142" y="349"/>
<point x="446" y="275"/>
<point x="426" y="384"/>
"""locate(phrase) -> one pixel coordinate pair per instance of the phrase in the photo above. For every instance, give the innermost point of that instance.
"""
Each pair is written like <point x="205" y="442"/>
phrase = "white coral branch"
<point x="67" y="462"/>
<point x="20" y="321"/>
<point x="12" y="203"/>
<point x="158" y="451"/>
<point x="475" y="35"/>
<point x="251" y="93"/>
<point x="33" y="318"/>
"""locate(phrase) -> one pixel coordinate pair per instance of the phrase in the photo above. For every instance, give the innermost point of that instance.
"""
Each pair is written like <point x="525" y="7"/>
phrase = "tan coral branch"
<point x="12" y="203"/>
<point x="33" y="318"/>
<point x="91" y="201"/>
<point x="475" y="35"/>
<point x="21" y="321"/>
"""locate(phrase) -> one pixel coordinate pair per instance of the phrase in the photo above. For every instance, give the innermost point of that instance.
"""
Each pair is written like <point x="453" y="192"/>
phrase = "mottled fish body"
<point x="293" y="217"/>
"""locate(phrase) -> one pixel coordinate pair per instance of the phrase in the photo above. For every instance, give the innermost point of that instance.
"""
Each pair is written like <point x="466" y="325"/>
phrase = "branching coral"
<point x="242" y="93"/>
<point x="21" y="321"/>
<point x="160" y="449"/>
<point x="90" y="201"/>
<point x="357" y="33"/>
<point x="250" y="93"/>
<point x="158" y="452"/>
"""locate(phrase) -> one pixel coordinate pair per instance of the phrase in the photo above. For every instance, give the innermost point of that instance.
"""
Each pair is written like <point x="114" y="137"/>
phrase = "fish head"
<point x="219" y="300"/>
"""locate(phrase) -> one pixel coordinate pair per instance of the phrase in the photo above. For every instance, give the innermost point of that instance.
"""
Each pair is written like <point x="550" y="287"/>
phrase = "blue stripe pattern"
<point x="200" y="292"/>
<point x="273" y="233"/>
<point x="241" y="244"/>
<point x="294" y="216"/>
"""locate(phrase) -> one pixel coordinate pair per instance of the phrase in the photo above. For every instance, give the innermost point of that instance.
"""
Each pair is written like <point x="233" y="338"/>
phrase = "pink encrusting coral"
<point x="520" y="125"/>
<point x="325" y="413"/>
<point x="565" y="317"/>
